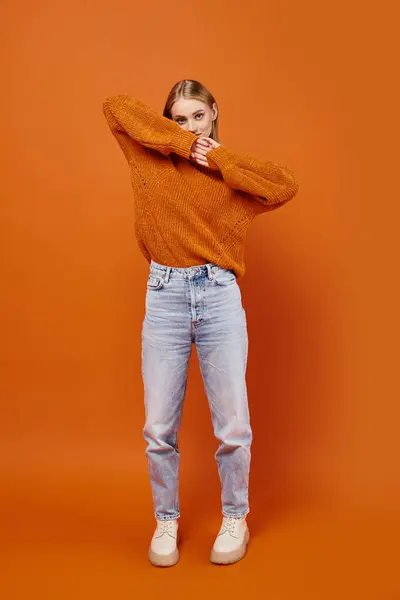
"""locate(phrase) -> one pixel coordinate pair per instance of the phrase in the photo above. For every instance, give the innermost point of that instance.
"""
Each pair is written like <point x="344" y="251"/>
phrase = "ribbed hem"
<point x="182" y="141"/>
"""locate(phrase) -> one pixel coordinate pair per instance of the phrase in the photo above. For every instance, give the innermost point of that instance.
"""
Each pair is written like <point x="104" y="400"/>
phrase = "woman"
<point x="194" y="200"/>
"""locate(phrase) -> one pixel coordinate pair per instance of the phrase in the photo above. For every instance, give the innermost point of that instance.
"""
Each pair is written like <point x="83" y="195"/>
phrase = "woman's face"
<point x="194" y="116"/>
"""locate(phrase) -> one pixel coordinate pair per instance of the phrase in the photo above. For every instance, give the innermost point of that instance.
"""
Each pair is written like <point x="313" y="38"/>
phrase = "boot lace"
<point x="165" y="526"/>
<point x="230" y="524"/>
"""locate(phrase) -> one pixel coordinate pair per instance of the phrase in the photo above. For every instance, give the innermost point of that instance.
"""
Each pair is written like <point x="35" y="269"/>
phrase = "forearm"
<point x="270" y="183"/>
<point x="133" y="122"/>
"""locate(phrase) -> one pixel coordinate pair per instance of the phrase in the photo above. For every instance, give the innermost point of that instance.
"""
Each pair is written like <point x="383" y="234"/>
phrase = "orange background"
<point x="306" y="84"/>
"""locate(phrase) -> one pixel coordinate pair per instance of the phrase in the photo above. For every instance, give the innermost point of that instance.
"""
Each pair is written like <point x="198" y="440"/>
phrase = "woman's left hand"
<point x="200" y="148"/>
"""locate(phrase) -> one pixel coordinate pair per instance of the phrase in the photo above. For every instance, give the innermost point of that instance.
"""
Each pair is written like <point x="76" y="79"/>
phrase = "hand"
<point x="200" y="148"/>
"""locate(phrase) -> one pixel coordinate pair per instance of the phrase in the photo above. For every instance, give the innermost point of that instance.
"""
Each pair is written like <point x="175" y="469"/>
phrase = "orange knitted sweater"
<point x="186" y="214"/>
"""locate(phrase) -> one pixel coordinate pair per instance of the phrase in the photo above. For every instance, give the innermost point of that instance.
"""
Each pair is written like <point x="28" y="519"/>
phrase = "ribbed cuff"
<point x="221" y="157"/>
<point x="182" y="142"/>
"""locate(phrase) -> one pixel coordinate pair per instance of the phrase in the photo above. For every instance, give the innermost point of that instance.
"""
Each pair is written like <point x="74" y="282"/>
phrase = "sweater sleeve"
<point x="271" y="185"/>
<point x="134" y="123"/>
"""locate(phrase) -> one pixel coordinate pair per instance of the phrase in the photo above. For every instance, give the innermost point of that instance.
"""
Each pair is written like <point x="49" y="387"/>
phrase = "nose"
<point x="192" y="126"/>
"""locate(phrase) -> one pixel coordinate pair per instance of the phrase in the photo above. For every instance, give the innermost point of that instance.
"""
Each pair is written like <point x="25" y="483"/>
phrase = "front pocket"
<point x="154" y="283"/>
<point x="225" y="277"/>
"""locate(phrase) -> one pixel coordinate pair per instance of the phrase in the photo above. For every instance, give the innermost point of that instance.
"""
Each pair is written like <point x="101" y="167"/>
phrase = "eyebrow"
<point x="196" y="111"/>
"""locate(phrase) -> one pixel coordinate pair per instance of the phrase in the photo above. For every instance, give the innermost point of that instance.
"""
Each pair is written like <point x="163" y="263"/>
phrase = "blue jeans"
<point x="201" y="305"/>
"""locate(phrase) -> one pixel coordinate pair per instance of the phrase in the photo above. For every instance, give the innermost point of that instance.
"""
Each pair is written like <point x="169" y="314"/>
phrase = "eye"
<point x="182" y="119"/>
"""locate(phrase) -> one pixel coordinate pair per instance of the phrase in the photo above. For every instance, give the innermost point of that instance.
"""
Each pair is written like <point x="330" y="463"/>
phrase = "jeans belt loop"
<point x="166" y="278"/>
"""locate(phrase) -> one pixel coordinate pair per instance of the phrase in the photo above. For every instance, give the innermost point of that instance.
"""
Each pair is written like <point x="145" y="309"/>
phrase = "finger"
<point x="200" y="160"/>
<point x="202" y="147"/>
<point x="199" y="154"/>
<point x="212" y="143"/>
<point x="203" y="141"/>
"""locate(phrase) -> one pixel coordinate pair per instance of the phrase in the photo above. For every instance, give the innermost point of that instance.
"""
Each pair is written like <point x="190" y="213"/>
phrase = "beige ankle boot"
<point x="231" y="542"/>
<point x="163" y="551"/>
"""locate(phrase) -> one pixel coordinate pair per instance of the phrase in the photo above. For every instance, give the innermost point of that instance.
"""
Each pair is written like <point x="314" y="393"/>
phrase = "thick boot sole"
<point x="165" y="560"/>
<point x="228" y="558"/>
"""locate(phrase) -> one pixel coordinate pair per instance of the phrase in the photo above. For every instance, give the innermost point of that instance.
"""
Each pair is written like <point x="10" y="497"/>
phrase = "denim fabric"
<point x="199" y="305"/>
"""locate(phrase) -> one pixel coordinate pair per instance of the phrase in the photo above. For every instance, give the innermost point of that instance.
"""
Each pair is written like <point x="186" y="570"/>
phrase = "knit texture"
<point x="186" y="214"/>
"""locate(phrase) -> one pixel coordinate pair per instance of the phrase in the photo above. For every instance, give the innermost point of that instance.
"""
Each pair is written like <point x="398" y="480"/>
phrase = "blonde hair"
<point x="193" y="90"/>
